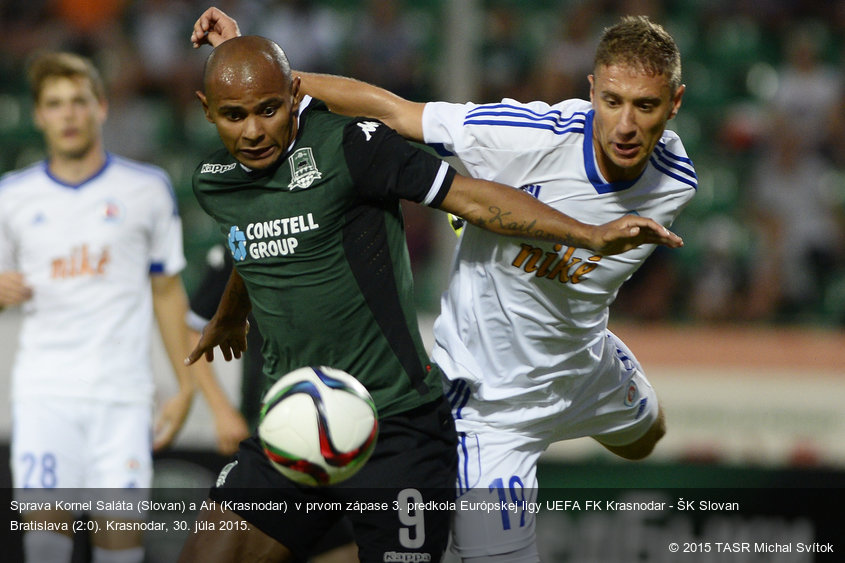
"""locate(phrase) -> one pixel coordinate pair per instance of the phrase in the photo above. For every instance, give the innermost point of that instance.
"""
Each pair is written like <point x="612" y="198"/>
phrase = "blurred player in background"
<point x="336" y="289"/>
<point x="522" y="337"/>
<point x="90" y="248"/>
<point x="203" y="304"/>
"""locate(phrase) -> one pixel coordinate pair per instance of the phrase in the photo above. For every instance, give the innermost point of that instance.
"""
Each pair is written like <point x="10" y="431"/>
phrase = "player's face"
<point x="256" y="119"/>
<point x="70" y="116"/>
<point x="631" y="111"/>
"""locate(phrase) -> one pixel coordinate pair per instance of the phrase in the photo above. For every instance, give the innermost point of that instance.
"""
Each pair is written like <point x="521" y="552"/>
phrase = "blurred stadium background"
<point x="741" y="331"/>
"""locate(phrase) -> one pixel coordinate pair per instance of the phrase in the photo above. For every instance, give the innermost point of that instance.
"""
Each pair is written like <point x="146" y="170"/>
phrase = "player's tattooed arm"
<point x="509" y="211"/>
<point x="229" y="325"/>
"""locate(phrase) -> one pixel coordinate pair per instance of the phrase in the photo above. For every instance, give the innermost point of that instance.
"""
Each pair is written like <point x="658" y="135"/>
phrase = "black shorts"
<point x="398" y="502"/>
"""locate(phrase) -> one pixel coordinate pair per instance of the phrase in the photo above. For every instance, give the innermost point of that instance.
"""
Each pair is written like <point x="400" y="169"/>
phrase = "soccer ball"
<point x="318" y="425"/>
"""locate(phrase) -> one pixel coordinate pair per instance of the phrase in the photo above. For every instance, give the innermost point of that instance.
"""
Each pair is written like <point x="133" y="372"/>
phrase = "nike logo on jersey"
<point x="81" y="262"/>
<point x="551" y="265"/>
<point x="368" y="127"/>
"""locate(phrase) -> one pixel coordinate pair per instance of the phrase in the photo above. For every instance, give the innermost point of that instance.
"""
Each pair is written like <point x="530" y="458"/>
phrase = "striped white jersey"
<point x="88" y="252"/>
<point x="521" y="318"/>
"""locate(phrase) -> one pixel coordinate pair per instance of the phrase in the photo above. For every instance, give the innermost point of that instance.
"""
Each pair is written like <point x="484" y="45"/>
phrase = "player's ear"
<point x="204" y="101"/>
<point x="676" y="100"/>
<point x="592" y="80"/>
<point x="295" y="94"/>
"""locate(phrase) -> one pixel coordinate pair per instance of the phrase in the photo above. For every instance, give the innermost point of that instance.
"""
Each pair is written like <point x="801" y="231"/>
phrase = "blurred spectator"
<point x="506" y="57"/>
<point x="310" y="34"/>
<point x="385" y="48"/>
<point x="794" y="211"/>
<point x="170" y="69"/>
<point x="561" y="71"/>
<point x="808" y="89"/>
<point x="798" y="220"/>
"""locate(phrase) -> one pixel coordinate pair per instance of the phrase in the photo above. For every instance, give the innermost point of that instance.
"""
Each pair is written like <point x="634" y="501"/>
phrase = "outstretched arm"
<point x="228" y="327"/>
<point x="352" y="97"/>
<point x="343" y="95"/>
<point x="510" y="211"/>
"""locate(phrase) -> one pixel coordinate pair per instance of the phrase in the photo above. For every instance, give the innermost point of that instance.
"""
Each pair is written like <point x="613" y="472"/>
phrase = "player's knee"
<point x="642" y="447"/>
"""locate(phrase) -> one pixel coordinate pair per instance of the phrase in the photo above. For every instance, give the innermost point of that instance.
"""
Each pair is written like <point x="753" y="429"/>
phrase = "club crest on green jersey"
<point x="303" y="169"/>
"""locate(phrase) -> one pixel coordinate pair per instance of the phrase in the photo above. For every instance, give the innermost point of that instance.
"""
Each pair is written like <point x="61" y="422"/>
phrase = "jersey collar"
<point x="79" y="185"/>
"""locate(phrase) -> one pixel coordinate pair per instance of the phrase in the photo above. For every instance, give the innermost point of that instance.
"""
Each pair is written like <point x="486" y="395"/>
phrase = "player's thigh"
<point x="406" y="489"/>
<point x="48" y="444"/>
<point x="293" y="515"/>
<point x="120" y="446"/>
<point x="616" y="404"/>
<point x="497" y="493"/>
<point x="240" y="542"/>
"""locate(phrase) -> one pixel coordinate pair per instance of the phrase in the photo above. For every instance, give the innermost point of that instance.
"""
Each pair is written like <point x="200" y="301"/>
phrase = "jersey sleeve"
<point x="167" y="255"/>
<point x="489" y="139"/>
<point x="384" y="165"/>
<point x="443" y="126"/>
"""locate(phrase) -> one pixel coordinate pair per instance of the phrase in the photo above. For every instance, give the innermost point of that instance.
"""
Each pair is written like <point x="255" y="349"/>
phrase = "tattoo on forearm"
<point x="501" y="221"/>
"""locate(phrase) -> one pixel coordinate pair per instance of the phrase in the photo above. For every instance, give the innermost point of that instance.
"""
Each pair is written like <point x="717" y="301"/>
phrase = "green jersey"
<point x="319" y="242"/>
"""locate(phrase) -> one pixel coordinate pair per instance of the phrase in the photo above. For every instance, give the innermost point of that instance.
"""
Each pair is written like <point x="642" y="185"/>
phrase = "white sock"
<point x="47" y="547"/>
<point x="131" y="555"/>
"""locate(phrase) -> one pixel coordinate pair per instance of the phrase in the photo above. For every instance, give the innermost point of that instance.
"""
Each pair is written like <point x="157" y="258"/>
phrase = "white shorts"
<point x="77" y="444"/>
<point x="497" y="471"/>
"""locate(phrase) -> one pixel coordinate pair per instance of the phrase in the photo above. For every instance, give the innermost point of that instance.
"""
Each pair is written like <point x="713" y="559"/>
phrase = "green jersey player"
<point x="309" y="202"/>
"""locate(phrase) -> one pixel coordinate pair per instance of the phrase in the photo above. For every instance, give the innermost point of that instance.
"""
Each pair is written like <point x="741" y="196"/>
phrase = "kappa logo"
<point x="303" y="169"/>
<point x="368" y="127"/>
<point x="221" y="478"/>
<point x="406" y="557"/>
<point x="216" y="168"/>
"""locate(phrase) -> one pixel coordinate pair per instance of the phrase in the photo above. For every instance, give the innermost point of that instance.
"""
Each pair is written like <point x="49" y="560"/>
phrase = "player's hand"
<point x="213" y="28"/>
<point x="630" y="232"/>
<point x="231" y="429"/>
<point x="230" y="337"/>
<point x="171" y="418"/>
<point x="13" y="289"/>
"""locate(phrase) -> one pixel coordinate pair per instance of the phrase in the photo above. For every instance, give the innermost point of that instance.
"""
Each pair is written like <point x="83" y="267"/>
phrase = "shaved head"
<point x="246" y="61"/>
<point x="252" y="99"/>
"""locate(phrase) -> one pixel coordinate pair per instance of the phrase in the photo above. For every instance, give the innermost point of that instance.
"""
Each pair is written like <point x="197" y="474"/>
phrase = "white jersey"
<point x="521" y="318"/>
<point x="88" y="252"/>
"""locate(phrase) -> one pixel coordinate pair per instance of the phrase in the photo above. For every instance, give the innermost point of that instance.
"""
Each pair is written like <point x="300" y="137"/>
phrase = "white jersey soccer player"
<point x="88" y="252"/>
<point x="522" y="336"/>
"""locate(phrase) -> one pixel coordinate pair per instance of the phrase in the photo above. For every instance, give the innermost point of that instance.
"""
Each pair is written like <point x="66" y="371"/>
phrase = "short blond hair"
<point x="638" y="42"/>
<point x="47" y="65"/>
